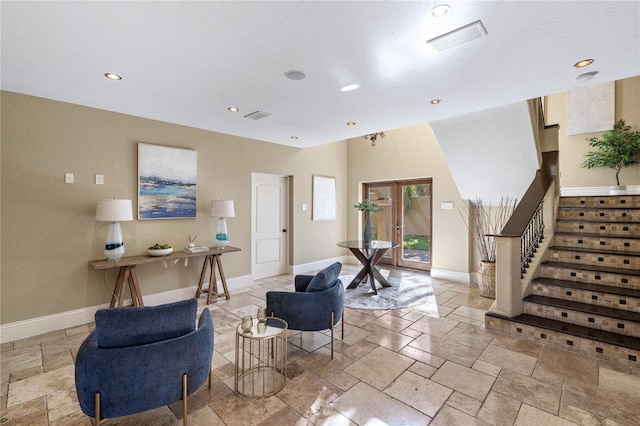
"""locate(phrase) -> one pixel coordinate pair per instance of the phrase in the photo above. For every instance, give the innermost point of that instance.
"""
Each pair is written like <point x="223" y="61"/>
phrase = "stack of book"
<point x="196" y="249"/>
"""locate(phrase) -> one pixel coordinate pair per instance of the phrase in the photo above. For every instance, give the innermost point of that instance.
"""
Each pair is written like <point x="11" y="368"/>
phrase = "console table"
<point x="127" y="273"/>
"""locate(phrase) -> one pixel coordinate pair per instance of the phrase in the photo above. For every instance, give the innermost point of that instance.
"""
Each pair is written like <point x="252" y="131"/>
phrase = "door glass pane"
<point x="416" y="223"/>
<point x="381" y="222"/>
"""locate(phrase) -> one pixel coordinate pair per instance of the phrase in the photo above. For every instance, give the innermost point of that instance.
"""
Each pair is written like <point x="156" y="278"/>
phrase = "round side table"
<point x="261" y="358"/>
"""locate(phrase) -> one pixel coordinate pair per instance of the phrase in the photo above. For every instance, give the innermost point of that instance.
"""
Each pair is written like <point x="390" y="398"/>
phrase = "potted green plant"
<point x="617" y="148"/>
<point x="367" y="206"/>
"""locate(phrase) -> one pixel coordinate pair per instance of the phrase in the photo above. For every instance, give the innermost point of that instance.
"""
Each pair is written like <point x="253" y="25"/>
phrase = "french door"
<point x="405" y="219"/>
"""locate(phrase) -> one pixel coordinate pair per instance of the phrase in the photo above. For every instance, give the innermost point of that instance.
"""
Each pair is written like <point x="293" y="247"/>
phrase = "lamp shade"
<point x="222" y="208"/>
<point x="114" y="210"/>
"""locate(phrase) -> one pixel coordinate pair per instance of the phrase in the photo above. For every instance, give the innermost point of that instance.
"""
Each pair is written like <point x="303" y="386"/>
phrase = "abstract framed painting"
<point x="167" y="182"/>
<point x="324" y="198"/>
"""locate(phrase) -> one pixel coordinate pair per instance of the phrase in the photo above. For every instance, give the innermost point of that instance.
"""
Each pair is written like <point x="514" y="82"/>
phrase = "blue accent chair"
<point x="317" y="304"/>
<point x="140" y="358"/>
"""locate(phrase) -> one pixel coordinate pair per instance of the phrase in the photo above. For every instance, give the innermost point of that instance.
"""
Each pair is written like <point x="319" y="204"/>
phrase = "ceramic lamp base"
<point x="114" y="246"/>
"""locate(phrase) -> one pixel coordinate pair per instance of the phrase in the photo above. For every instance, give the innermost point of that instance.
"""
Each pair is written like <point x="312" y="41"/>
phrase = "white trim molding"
<point x="459" y="277"/>
<point x="316" y="266"/>
<point x="75" y="318"/>
<point x="586" y="191"/>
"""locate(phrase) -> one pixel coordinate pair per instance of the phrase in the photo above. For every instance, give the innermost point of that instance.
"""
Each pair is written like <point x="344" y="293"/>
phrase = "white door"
<point x="269" y="224"/>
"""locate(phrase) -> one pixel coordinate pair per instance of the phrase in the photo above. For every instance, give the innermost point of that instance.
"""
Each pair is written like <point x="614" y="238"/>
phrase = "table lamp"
<point x="222" y="209"/>
<point x="114" y="211"/>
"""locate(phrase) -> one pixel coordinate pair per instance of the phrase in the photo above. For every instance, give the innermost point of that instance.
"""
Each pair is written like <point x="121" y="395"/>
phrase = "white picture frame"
<point x="324" y="198"/>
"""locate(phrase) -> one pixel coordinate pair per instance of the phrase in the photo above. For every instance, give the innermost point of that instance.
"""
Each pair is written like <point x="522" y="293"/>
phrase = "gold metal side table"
<point x="261" y="358"/>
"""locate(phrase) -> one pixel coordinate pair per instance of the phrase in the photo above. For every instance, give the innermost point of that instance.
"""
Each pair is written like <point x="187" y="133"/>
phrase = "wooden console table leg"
<point x="210" y="263"/>
<point x="134" y="288"/>
<point x="117" y="290"/>
<point x="213" y="283"/>
<point x="202" y="275"/>
<point x="126" y="276"/>
<point x="222" y="279"/>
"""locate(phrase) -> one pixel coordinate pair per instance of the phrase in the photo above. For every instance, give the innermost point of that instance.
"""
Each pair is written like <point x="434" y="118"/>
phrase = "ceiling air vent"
<point x="257" y="115"/>
<point x="458" y="36"/>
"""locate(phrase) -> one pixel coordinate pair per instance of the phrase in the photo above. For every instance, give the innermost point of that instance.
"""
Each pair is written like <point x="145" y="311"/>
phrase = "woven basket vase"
<point x="487" y="279"/>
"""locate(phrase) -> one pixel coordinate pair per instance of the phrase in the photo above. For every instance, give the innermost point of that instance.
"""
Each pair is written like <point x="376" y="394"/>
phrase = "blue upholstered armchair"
<point x="317" y="304"/>
<point x="140" y="358"/>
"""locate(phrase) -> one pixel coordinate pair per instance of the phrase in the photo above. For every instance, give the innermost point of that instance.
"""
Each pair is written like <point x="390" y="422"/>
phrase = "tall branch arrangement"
<point x="485" y="221"/>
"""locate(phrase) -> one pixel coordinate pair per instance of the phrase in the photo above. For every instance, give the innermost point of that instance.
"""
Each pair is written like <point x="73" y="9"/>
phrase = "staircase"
<point x="587" y="297"/>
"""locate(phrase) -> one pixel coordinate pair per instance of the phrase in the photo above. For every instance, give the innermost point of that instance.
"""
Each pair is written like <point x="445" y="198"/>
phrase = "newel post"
<point x="508" y="288"/>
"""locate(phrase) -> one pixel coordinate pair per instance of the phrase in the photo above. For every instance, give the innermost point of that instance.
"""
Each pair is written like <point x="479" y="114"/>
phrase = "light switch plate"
<point x="99" y="179"/>
<point x="68" y="178"/>
<point x="446" y="205"/>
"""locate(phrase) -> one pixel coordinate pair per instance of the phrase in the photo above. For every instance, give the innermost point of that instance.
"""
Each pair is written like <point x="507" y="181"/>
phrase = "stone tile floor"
<point x="400" y="367"/>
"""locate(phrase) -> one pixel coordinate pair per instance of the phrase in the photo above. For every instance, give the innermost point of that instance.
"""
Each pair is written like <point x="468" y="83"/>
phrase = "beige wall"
<point x="49" y="233"/>
<point x="411" y="152"/>
<point x="48" y="229"/>
<point x="573" y="148"/>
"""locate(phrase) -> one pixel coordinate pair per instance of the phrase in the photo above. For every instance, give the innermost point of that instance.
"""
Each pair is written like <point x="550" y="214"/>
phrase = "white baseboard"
<point x="595" y="190"/>
<point x="314" y="266"/>
<point x="35" y="326"/>
<point x="459" y="277"/>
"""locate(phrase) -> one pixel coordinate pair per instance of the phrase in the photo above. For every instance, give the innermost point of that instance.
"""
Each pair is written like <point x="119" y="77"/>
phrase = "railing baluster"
<point x="531" y="238"/>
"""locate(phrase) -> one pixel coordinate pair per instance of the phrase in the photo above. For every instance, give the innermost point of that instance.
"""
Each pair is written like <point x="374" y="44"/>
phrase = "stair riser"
<point x="606" y="229"/>
<point x="624" y="303"/>
<point x="592" y="349"/>
<point x="626" y="328"/>
<point x="621" y="245"/>
<point x="576" y="275"/>
<point x="596" y="259"/>
<point x="600" y="215"/>
<point x="622" y="201"/>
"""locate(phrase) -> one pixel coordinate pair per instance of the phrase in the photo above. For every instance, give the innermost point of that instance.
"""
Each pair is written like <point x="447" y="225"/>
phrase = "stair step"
<point x="592" y="316"/>
<point x="594" y="268"/>
<point x="605" y="201"/>
<point x="611" y="277"/>
<point x="596" y="288"/>
<point x="581" y="256"/>
<point x="627" y="299"/>
<point x="626" y="229"/>
<point x="601" y="336"/>
<point x="620" y="215"/>
<point x="597" y="242"/>
<point x="586" y="308"/>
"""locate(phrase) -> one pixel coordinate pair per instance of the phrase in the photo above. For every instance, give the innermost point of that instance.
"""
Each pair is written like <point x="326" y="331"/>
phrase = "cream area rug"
<point x="407" y="289"/>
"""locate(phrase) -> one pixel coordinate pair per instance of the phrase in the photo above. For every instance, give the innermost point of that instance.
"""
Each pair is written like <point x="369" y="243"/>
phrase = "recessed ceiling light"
<point x="350" y="87"/>
<point x="351" y="123"/>
<point x="440" y="10"/>
<point x="233" y="109"/>
<point x="583" y="63"/>
<point x="112" y="76"/>
<point x="435" y="101"/>
<point x="582" y="78"/>
<point x="295" y="75"/>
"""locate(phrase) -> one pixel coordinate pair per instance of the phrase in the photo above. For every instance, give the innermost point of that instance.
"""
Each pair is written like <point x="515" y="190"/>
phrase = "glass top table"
<point x="261" y="358"/>
<point x="369" y="254"/>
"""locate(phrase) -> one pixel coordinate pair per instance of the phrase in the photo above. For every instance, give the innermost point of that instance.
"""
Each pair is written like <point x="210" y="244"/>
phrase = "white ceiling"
<point x="187" y="62"/>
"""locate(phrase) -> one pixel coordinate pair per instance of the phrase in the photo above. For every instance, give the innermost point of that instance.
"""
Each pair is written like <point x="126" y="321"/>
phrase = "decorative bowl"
<point x="161" y="252"/>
